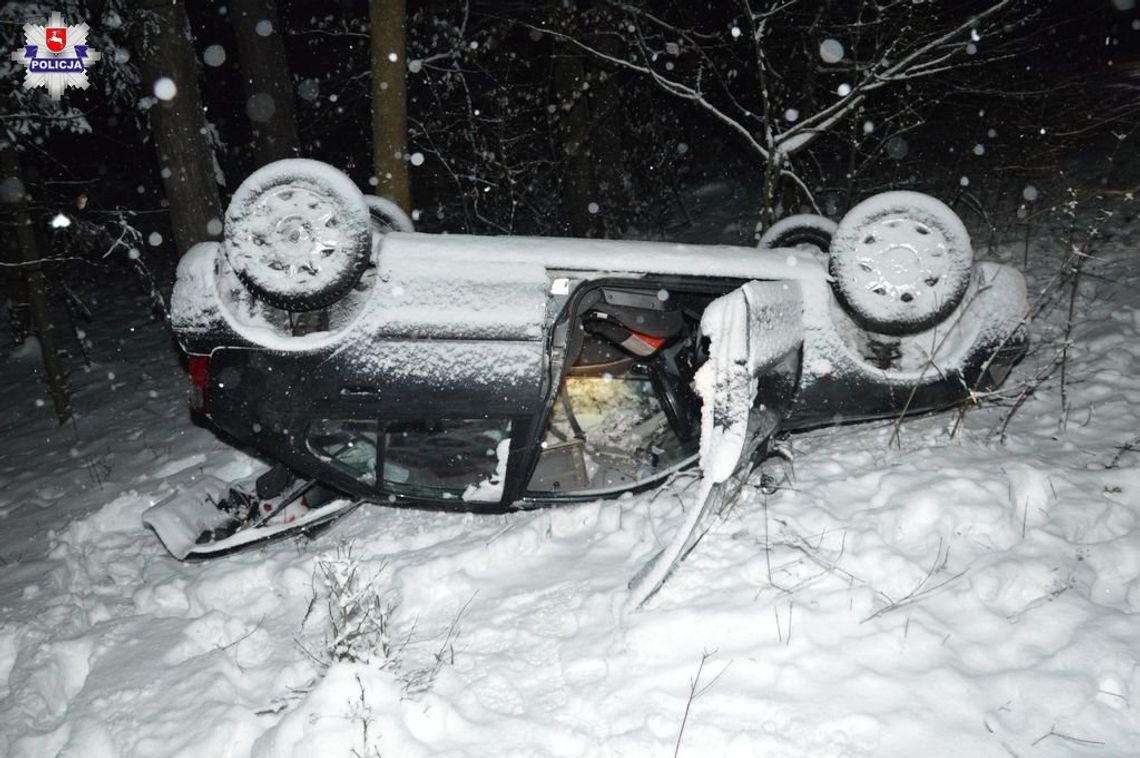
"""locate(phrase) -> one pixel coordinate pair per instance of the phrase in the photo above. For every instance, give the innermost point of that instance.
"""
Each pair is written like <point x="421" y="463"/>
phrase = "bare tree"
<point x="169" y="71"/>
<point x="389" y="101"/>
<point x="269" y="94"/>
<point x="752" y="82"/>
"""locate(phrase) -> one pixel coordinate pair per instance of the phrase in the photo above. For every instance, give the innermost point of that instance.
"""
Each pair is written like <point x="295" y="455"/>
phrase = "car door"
<point x="754" y="333"/>
<point x="746" y="384"/>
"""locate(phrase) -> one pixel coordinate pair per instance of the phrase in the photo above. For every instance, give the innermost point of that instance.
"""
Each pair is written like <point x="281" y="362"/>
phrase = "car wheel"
<point x="298" y="234"/>
<point x="901" y="262"/>
<point x="802" y="229"/>
<point x="387" y="216"/>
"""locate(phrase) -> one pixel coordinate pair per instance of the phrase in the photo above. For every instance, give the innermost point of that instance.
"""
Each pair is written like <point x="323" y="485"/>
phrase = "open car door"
<point x="748" y="380"/>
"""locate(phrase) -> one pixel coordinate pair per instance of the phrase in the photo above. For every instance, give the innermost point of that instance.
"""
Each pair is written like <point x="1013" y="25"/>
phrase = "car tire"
<point x="802" y="229"/>
<point x="387" y="216"/>
<point x="298" y="234"/>
<point x="901" y="262"/>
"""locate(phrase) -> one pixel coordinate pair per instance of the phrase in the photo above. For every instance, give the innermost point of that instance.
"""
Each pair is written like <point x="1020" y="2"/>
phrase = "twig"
<point x="695" y="693"/>
<point x="921" y="589"/>
<point x="1067" y="737"/>
<point x="421" y="680"/>
<point x="245" y="636"/>
<point x="1127" y="447"/>
<point x="1027" y="391"/>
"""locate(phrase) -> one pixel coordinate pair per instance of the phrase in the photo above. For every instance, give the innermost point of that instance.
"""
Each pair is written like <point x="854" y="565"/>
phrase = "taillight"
<point x="199" y="382"/>
<point x="642" y="345"/>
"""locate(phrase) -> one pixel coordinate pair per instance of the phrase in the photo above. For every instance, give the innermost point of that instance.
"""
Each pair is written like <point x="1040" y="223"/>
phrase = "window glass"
<point x="447" y="458"/>
<point x="349" y="445"/>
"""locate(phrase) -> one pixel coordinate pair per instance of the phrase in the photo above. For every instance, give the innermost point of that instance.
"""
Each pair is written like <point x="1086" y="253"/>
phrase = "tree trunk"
<point x="772" y="177"/>
<point x="35" y="285"/>
<point x="389" y="102"/>
<point x="186" y="160"/>
<point x="579" y="183"/>
<point x="268" y="89"/>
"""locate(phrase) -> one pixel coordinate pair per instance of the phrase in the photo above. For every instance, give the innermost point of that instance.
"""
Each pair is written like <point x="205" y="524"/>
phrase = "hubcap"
<point x="304" y="232"/>
<point x="900" y="258"/>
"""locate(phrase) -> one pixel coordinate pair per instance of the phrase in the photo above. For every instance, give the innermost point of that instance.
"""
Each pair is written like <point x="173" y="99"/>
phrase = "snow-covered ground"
<point x="944" y="593"/>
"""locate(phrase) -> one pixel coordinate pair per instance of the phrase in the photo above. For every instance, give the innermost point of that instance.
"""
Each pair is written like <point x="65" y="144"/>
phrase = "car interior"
<point x="626" y="411"/>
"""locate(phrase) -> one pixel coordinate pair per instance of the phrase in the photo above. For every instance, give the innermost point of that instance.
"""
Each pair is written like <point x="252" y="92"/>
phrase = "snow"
<point x="194" y="304"/>
<point x="452" y="287"/>
<point x="941" y="595"/>
<point x="164" y="88"/>
<point x="490" y="490"/>
<point x="797" y="221"/>
<point x="449" y="297"/>
<point x="393" y="215"/>
<point x="309" y="90"/>
<point x="606" y="255"/>
<point x="897" y="148"/>
<point x="28" y="350"/>
<point x="831" y="50"/>
<point x="214" y="56"/>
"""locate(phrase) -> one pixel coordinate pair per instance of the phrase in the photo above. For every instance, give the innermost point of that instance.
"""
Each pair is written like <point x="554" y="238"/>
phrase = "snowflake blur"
<point x="56" y="56"/>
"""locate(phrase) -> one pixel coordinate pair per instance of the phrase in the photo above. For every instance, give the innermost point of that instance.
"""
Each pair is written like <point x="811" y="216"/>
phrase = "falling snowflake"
<point x="831" y="50"/>
<point x="214" y="55"/>
<point x="165" y="88"/>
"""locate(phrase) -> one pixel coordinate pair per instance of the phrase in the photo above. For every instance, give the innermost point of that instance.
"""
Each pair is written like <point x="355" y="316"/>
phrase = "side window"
<point x="349" y="445"/>
<point x="446" y="458"/>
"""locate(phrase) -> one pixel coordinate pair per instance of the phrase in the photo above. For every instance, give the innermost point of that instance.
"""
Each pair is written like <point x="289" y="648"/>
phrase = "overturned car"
<point x="377" y="364"/>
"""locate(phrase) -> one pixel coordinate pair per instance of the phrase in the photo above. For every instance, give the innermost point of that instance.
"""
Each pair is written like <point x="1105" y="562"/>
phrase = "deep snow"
<point x="945" y="594"/>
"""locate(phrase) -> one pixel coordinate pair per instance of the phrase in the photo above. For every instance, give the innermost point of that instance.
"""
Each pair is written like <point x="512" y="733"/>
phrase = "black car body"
<point x="486" y="372"/>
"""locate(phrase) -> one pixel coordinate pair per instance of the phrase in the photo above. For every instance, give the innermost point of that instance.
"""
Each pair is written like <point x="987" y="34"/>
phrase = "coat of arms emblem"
<point x="55" y="56"/>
